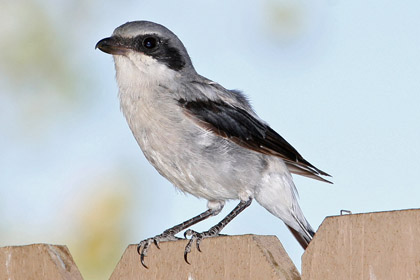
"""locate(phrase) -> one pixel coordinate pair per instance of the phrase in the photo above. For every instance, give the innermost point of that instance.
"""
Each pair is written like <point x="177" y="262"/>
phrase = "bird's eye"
<point x="150" y="42"/>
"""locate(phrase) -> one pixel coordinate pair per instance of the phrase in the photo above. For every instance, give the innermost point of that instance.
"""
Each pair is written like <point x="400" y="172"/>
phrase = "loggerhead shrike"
<point x="203" y="138"/>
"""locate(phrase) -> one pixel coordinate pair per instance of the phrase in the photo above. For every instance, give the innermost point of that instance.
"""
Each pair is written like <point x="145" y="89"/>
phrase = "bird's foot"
<point x="144" y="245"/>
<point x="197" y="237"/>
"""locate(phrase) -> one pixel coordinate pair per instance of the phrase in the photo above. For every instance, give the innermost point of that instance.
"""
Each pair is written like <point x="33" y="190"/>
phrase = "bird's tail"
<point x="280" y="199"/>
<point x="303" y="239"/>
<point x="304" y="232"/>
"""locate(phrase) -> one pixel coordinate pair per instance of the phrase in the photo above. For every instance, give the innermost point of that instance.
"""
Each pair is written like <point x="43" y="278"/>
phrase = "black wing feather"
<point x="244" y="129"/>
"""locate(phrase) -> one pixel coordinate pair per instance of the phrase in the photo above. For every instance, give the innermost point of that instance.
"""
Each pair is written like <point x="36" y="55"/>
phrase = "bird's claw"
<point x="156" y="241"/>
<point x="196" y="237"/>
<point x="144" y="245"/>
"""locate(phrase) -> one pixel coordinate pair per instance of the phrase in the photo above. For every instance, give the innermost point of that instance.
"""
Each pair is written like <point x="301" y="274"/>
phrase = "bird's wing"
<point x="239" y="126"/>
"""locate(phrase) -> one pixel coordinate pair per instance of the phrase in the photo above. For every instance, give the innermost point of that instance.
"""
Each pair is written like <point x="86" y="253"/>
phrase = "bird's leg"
<point x="215" y="230"/>
<point x="169" y="234"/>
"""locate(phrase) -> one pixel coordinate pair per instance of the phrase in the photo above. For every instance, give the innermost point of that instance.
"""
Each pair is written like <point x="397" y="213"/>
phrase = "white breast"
<point x="193" y="159"/>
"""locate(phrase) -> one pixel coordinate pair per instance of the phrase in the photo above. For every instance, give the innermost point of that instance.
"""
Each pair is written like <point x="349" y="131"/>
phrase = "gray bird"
<point x="203" y="138"/>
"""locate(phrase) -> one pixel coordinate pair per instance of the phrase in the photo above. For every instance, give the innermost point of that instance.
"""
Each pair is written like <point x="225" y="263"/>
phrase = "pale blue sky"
<point x="338" y="79"/>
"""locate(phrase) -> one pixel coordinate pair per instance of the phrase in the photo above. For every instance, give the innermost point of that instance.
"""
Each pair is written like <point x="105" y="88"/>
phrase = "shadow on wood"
<point x="37" y="261"/>
<point x="225" y="257"/>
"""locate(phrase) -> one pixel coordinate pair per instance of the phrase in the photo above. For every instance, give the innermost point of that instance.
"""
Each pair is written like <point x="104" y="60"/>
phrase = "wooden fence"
<point x="375" y="246"/>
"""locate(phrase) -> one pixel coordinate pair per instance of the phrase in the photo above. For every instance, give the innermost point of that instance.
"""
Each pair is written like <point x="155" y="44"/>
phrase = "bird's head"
<point x="146" y="50"/>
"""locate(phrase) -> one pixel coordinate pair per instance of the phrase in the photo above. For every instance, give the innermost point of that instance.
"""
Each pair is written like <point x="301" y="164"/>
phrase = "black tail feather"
<point x="303" y="240"/>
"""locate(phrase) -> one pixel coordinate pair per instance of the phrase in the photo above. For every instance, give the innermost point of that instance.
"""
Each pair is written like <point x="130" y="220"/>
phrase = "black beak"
<point x="112" y="45"/>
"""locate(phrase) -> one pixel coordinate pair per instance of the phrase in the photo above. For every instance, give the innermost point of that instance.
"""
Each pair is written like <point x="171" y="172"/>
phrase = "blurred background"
<point x="338" y="79"/>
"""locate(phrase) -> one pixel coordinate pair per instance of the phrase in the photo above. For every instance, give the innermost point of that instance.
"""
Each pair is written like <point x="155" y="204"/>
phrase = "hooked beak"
<point x="112" y="45"/>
